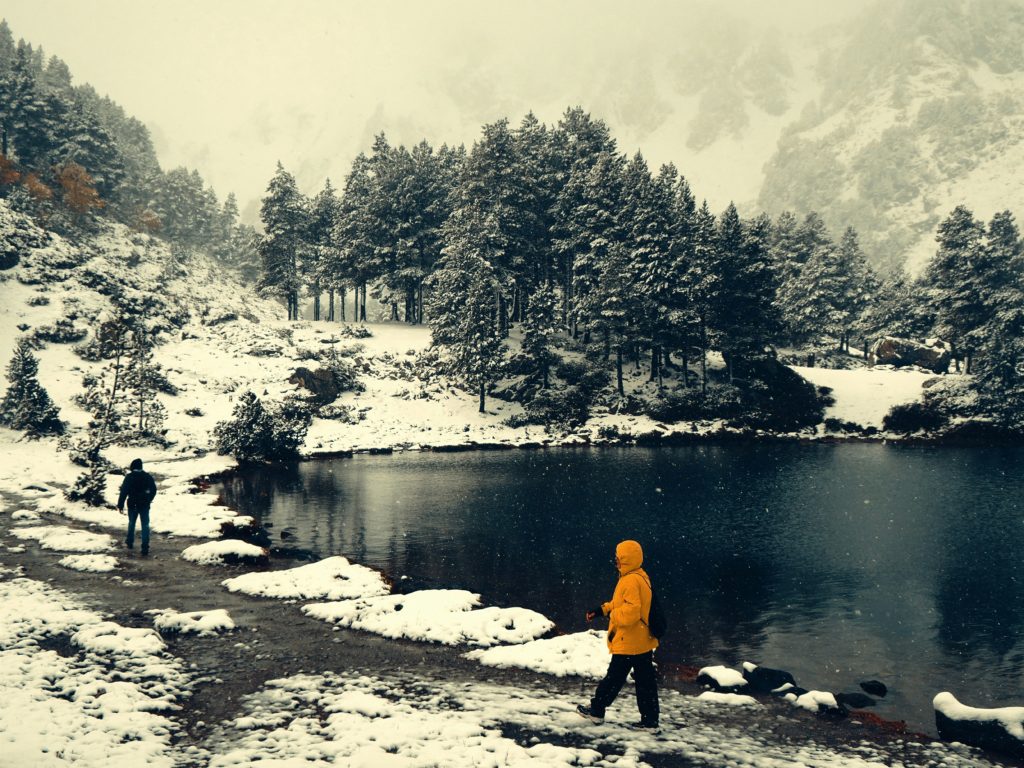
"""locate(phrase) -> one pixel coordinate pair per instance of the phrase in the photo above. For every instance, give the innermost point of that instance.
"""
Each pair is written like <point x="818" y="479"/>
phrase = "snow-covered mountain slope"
<point x="884" y="122"/>
<point x="922" y="108"/>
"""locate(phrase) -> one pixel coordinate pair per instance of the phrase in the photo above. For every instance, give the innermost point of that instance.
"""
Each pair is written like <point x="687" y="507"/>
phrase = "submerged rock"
<point x="854" y="700"/>
<point x="874" y="687"/>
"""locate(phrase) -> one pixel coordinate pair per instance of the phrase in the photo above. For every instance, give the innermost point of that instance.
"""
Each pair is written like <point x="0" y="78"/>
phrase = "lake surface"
<point x="839" y="563"/>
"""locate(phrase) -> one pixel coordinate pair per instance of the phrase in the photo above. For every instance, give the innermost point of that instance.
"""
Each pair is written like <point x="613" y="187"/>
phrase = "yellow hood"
<point x="631" y="556"/>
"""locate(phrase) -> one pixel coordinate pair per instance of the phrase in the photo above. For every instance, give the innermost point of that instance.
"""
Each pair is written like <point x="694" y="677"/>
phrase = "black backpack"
<point x="657" y="621"/>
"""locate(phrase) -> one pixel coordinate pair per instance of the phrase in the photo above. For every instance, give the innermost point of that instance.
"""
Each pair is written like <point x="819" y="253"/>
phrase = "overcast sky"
<point x="197" y="71"/>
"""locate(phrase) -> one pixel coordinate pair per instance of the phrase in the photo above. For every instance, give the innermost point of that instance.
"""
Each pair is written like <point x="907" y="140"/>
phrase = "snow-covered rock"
<point x="722" y="679"/>
<point x="225" y="551"/>
<point x="194" y="622"/>
<point x="1000" y="729"/>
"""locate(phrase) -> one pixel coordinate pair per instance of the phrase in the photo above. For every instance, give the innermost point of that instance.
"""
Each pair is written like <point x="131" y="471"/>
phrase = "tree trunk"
<point x="419" y="301"/>
<point x="967" y="362"/>
<point x="362" y="304"/>
<point x="330" y="305"/>
<point x="618" y="369"/>
<point x="483" y="396"/>
<point x="686" y="371"/>
<point x="316" y="306"/>
<point x="394" y="311"/>
<point x="655" y="362"/>
<point x="703" y="357"/>
<point x="342" y="294"/>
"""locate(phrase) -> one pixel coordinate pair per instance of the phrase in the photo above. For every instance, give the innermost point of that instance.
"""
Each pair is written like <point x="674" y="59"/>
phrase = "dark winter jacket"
<point x="630" y="607"/>
<point x="138" y="488"/>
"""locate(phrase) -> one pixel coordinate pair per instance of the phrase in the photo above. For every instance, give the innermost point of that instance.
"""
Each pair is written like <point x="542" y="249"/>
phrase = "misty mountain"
<point x="884" y="122"/>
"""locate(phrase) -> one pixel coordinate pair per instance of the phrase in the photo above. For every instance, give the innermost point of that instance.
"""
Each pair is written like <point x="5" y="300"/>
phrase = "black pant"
<point x="642" y="665"/>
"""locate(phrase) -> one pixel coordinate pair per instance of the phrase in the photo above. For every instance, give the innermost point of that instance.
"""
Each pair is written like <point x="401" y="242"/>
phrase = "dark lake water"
<point x="839" y="563"/>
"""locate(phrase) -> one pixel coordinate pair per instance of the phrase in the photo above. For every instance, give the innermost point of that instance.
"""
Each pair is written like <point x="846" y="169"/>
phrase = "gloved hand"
<point x="593" y="613"/>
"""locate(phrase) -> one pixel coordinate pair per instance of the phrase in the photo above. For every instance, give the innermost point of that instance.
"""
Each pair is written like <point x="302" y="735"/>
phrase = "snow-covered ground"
<point x="864" y="396"/>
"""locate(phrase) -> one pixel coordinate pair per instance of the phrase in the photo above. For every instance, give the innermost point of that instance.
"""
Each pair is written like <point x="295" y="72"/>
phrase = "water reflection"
<point x="838" y="562"/>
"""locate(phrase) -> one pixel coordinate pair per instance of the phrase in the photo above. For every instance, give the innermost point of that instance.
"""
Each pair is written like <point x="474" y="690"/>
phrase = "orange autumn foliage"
<point x="8" y="175"/>
<point x="39" y="191"/>
<point x="79" y="193"/>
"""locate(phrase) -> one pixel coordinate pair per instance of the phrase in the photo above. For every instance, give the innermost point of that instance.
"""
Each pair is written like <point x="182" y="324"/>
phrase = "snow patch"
<point x="728" y="699"/>
<point x="435" y="615"/>
<point x="1011" y="718"/>
<point x="584" y="654"/>
<point x="90" y="563"/>
<point x="61" y="539"/>
<point x="333" y="578"/>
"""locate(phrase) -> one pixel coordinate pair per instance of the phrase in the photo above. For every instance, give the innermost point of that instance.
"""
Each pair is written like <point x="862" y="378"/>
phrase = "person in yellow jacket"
<point x="629" y="640"/>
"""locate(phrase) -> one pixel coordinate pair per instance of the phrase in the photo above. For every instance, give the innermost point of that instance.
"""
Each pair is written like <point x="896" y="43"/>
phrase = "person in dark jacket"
<point x="138" y="489"/>
<point x="629" y="640"/>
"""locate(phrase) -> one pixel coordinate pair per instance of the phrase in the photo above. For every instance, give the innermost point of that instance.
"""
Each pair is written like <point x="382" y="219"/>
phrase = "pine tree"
<point x="26" y="406"/>
<point x="355" y="234"/>
<point x="284" y="221"/>
<point x="464" y="303"/>
<point x="954" y="278"/>
<point x="857" y="284"/>
<point x="702" y="282"/>
<point x="142" y="381"/>
<point x="318" y="268"/>
<point x="539" y="331"/>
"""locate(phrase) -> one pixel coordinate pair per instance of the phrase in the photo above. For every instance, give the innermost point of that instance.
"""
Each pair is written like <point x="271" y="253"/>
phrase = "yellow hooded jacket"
<point x="630" y="606"/>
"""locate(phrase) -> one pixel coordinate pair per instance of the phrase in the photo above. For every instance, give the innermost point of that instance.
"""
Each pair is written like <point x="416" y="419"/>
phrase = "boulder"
<point x="1000" y="730"/>
<point x="934" y="356"/>
<point x="722" y="679"/>
<point x="854" y="700"/>
<point x="874" y="687"/>
<point x="765" y="679"/>
<point x="322" y="382"/>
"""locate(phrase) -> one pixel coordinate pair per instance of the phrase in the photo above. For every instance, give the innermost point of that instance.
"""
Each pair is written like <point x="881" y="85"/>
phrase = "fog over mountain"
<point x="883" y="116"/>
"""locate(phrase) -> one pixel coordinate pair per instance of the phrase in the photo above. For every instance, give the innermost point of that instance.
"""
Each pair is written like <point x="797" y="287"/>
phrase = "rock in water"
<point x="1001" y="730"/>
<point x="874" y="687"/>
<point x="765" y="679"/>
<point x="854" y="700"/>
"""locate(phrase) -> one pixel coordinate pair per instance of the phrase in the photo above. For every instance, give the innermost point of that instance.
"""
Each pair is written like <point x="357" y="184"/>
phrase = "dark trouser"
<point x="135" y="513"/>
<point x="646" y="685"/>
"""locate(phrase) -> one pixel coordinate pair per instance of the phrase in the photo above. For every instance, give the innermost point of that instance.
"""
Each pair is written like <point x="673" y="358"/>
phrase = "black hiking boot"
<point x="648" y="727"/>
<point x="587" y="713"/>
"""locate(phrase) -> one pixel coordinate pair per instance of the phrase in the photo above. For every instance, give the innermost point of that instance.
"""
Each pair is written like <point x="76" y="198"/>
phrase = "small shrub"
<point x="912" y="417"/>
<point x="355" y="332"/>
<point x="39" y="301"/>
<point x="64" y="331"/>
<point x="90" y="487"/>
<point x="568" y="407"/>
<point x="195" y="412"/>
<point x="255" y="433"/>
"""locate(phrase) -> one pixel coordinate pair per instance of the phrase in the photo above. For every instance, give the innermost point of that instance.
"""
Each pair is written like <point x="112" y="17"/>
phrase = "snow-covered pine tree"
<point x="355" y="233"/>
<point x="954" y="278"/>
<point x="540" y="327"/>
<point x="144" y="413"/>
<point x="857" y="285"/>
<point x="578" y="142"/>
<point x="464" y="301"/>
<point x="284" y="222"/>
<point x="318" y="267"/>
<point x="538" y="174"/>
<point x="26" y="406"/>
<point x="999" y="373"/>
<point x="650" y="237"/>
<point x="702" y="281"/>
